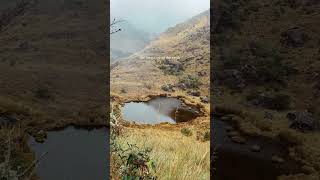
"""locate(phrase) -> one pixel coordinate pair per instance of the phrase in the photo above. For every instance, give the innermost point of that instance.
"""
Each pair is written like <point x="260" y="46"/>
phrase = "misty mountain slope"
<point x="127" y="41"/>
<point x="188" y="45"/>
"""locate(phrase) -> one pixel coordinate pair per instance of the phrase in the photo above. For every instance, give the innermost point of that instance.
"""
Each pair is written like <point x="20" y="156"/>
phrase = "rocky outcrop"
<point x="303" y="121"/>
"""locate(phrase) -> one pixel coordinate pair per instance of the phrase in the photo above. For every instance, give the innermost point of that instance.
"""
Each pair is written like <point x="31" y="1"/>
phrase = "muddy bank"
<point x="249" y="158"/>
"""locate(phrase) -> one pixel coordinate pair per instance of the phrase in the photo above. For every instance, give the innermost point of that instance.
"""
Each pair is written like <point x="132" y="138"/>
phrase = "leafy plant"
<point x="134" y="163"/>
<point x="191" y="81"/>
<point x="186" y="132"/>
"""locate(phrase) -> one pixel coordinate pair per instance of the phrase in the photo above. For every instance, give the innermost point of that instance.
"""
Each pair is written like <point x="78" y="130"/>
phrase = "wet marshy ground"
<point x="253" y="159"/>
<point x="158" y="110"/>
<point x="72" y="153"/>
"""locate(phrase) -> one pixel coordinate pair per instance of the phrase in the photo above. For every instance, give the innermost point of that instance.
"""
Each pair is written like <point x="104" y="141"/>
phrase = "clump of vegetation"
<point x="191" y="81"/>
<point x="123" y="91"/>
<point x="132" y="162"/>
<point x="203" y="136"/>
<point x="42" y="93"/>
<point x="172" y="68"/>
<point x="275" y="102"/>
<point x="13" y="166"/>
<point x="186" y="132"/>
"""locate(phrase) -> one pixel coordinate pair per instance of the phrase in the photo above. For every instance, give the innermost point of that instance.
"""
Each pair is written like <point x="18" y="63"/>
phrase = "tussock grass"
<point x="176" y="156"/>
<point x="10" y="106"/>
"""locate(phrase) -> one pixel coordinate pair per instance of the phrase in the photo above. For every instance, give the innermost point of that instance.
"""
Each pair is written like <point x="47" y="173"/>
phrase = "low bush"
<point x="191" y="81"/>
<point x="186" y="132"/>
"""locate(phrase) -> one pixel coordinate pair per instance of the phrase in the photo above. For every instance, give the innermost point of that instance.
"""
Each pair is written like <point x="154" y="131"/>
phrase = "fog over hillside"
<point x="157" y="15"/>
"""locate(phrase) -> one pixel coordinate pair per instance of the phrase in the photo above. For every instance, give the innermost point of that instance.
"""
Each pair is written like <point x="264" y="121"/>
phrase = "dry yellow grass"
<point x="176" y="156"/>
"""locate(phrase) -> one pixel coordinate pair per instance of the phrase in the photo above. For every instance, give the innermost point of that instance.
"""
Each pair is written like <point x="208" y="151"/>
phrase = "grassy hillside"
<point x="53" y="60"/>
<point x="266" y="63"/>
<point x="176" y="64"/>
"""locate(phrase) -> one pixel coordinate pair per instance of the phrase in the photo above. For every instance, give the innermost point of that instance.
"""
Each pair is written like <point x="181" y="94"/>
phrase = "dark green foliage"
<point x="133" y="162"/>
<point x="186" y="132"/>
<point x="191" y="81"/>
<point x="172" y="69"/>
<point x="42" y="93"/>
<point x="206" y="136"/>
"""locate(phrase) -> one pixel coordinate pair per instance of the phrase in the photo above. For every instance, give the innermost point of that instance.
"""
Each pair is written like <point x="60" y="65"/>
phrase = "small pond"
<point x="72" y="154"/>
<point x="237" y="161"/>
<point x="158" y="110"/>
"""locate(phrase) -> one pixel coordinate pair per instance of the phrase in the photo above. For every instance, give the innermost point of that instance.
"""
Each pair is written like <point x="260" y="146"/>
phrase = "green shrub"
<point x="206" y="136"/>
<point x="191" y="81"/>
<point x="186" y="132"/>
<point x="42" y="93"/>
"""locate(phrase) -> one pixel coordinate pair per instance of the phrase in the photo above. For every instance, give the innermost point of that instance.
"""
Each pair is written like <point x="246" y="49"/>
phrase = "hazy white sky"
<point x="155" y="16"/>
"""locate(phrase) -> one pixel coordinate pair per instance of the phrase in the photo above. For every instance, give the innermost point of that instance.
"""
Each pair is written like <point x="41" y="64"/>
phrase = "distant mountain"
<point x="188" y="47"/>
<point x="127" y="41"/>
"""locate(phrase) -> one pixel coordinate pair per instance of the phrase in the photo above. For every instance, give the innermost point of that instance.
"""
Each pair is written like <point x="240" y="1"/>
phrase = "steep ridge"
<point x="181" y="50"/>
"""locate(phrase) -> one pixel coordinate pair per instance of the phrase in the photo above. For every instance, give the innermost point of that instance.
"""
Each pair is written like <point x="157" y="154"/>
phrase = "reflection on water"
<point x="158" y="110"/>
<point x="72" y="154"/>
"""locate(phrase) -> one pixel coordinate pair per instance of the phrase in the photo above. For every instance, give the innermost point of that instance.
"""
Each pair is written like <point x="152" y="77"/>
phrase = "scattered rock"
<point x="204" y="99"/>
<point x="194" y="93"/>
<point x="238" y="139"/>
<point x="255" y="148"/>
<point x="167" y="88"/>
<point x="268" y="115"/>
<point x="181" y="86"/>
<point x="277" y="159"/>
<point x="171" y="67"/>
<point x="303" y="121"/>
<point x="202" y="73"/>
<point x="294" y="37"/>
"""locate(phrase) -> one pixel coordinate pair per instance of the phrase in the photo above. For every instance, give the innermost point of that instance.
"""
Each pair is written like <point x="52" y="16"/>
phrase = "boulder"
<point x="167" y="88"/>
<point x="303" y="121"/>
<point x="202" y="73"/>
<point x="294" y="37"/>
<point x="181" y="86"/>
<point x="204" y="99"/>
<point x="194" y="93"/>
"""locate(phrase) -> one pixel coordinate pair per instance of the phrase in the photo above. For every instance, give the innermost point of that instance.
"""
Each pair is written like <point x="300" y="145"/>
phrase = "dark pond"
<point x="72" y="154"/>
<point x="237" y="161"/>
<point x="158" y="110"/>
